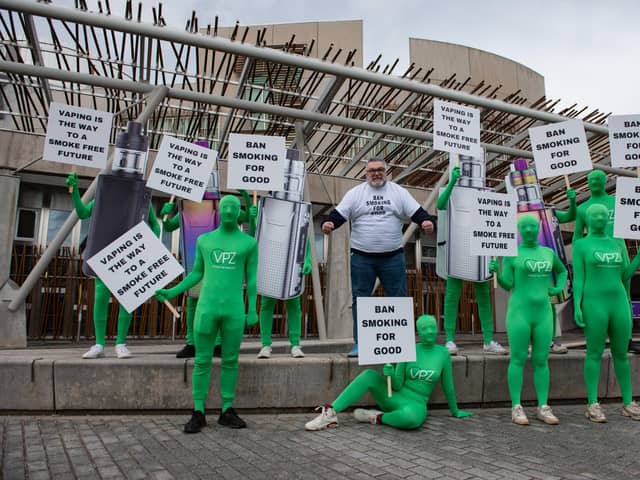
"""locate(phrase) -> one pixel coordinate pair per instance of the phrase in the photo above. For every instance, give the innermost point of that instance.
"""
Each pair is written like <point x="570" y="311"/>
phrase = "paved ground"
<point x="486" y="446"/>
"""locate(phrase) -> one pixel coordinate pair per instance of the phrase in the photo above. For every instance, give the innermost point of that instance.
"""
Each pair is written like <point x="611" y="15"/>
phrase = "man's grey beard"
<point x="377" y="183"/>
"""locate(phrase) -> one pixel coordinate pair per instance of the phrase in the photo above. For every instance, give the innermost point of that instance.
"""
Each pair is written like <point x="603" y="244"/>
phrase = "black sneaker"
<point x="231" y="419"/>
<point x="217" y="351"/>
<point x="188" y="351"/>
<point x="634" y="347"/>
<point x="195" y="424"/>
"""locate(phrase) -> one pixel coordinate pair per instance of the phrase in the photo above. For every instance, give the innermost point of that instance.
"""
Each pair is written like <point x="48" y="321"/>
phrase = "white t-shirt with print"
<point x="377" y="216"/>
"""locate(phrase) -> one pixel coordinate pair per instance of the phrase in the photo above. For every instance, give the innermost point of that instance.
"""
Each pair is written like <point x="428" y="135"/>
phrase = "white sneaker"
<point x="452" y="347"/>
<point x="494" y="348"/>
<point x="96" y="351"/>
<point x="558" y="348"/>
<point x="327" y="419"/>
<point x="518" y="416"/>
<point x="545" y="414"/>
<point x="296" y="352"/>
<point x="122" y="351"/>
<point x="631" y="410"/>
<point x="265" y="352"/>
<point x="366" y="416"/>
<point x="595" y="413"/>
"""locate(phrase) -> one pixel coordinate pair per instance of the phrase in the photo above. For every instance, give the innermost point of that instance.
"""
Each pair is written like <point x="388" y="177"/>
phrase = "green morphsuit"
<point x="564" y="217"/>
<point x="528" y="319"/>
<point x="171" y="224"/>
<point x="601" y="270"/>
<point x="412" y="384"/>
<point x="225" y="258"/>
<point x="102" y="293"/>
<point x="454" y="290"/>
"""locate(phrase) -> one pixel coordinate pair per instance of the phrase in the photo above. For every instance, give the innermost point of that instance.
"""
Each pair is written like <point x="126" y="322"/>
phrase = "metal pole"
<point x="276" y="56"/>
<point x="315" y="276"/>
<point x="154" y="100"/>
<point x="311" y="116"/>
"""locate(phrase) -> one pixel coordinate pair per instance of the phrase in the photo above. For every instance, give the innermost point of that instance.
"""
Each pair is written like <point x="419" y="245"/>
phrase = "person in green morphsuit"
<point x="224" y="259"/>
<point x="171" y="224"/>
<point x="294" y="316"/>
<point x="102" y="293"/>
<point x="528" y="277"/>
<point x="562" y="217"/>
<point x="601" y="270"/>
<point x="412" y="384"/>
<point x="454" y="290"/>
<point x="597" y="181"/>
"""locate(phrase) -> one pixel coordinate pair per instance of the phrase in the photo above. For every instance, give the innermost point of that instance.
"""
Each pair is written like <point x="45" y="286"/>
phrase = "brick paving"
<point x="275" y="446"/>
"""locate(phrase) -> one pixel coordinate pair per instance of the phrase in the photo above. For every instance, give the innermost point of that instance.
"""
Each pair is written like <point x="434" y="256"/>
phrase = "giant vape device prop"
<point x="524" y="182"/>
<point x="122" y="200"/>
<point x="197" y="218"/>
<point x="283" y="227"/>
<point x="455" y="224"/>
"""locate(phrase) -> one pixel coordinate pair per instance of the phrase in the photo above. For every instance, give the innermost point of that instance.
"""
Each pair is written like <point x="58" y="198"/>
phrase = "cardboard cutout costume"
<point x="412" y="384"/>
<point x="123" y="186"/>
<point x="225" y="258"/>
<point x="528" y="277"/>
<point x="454" y="263"/>
<point x="601" y="306"/>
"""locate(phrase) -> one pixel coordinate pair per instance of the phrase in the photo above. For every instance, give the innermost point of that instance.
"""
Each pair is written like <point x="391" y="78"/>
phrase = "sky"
<point x="586" y="50"/>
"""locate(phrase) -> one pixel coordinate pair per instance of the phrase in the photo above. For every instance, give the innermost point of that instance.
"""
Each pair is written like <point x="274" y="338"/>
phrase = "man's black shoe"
<point x="195" y="424"/>
<point x="217" y="351"/>
<point x="634" y="347"/>
<point x="231" y="419"/>
<point x="188" y="351"/>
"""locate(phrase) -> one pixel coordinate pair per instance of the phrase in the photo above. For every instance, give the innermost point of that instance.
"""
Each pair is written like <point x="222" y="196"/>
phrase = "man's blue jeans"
<point x="364" y="270"/>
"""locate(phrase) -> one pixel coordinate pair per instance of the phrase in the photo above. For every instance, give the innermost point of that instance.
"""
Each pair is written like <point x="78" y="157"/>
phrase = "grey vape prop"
<point x="453" y="258"/>
<point x="282" y="231"/>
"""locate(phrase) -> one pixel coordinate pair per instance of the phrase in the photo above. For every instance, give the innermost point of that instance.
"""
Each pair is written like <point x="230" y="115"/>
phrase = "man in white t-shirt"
<point x="377" y="210"/>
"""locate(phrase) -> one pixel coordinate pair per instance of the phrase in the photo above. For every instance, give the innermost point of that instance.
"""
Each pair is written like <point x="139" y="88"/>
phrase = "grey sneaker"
<point x="558" y="348"/>
<point x="366" y="416"/>
<point x="632" y="410"/>
<point x="328" y="418"/>
<point x="296" y="352"/>
<point x="494" y="348"/>
<point x="452" y="347"/>
<point x="122" y="351"/>
<point x="545" y="414"/>
<point x="265" y="352"/>
<point x="96" y="351"/>
<point x="518" y="416"/>
<point x="595" y="413"/>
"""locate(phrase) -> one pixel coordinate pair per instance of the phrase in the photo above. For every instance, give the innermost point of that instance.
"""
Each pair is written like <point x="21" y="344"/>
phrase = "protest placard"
<point x="182" y="168"/>
<point x="624" y="140"/>
<point x="77" y="136"/>
<point x="560" y="148"/>
<point x="494" y="226"/>
<point x="626" y="219"/>
<point x="456" y="129"/>
<point x="256" y="162"/>
<point x="386" y="331"/>
<point x="134" y="266"/>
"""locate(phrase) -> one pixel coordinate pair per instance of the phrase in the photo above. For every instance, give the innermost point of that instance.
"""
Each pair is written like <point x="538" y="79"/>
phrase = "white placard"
<point x="560" y="148"/>
<point x="134" y="266"/>
<point x="456" y="129"/>
<point x="386" y="330"/>
<point x="626" y="219"/>
<point x="182" y="169"/>
<point x="624" y="140"/>
<point x="494" y="230"/>
<point x="256" y="162"/>
<point x="78" y="136"/>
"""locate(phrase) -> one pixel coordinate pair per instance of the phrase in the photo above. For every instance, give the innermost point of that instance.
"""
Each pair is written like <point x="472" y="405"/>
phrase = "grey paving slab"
<point x="486" y="446"/>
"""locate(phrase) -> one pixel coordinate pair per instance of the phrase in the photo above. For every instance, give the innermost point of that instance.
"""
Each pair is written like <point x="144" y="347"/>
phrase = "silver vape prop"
<point x="455" y="225"/>
<point x="122" y="198"/>
<point x="283" y="228"/>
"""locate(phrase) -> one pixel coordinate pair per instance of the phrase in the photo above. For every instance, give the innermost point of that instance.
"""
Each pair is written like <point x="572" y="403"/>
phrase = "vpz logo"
<point x="538" y="266"/>
<point x="611" y="215"/>
<point x="223" y="258"/>
<point x="608" y="258"/>
<point x="419" y="374"/>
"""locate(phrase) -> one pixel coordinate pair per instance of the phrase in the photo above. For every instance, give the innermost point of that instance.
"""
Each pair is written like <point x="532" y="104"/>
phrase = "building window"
<point x="27" y="222"/>
<point x="56" y="220"/>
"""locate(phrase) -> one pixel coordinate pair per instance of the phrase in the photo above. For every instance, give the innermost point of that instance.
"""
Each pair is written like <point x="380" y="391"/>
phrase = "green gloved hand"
<point x="167" y="208"/>
<point x="72" y="180"/>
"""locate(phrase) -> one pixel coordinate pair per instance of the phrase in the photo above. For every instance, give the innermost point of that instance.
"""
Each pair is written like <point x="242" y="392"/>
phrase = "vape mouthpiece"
<point x="130" y="155"/>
